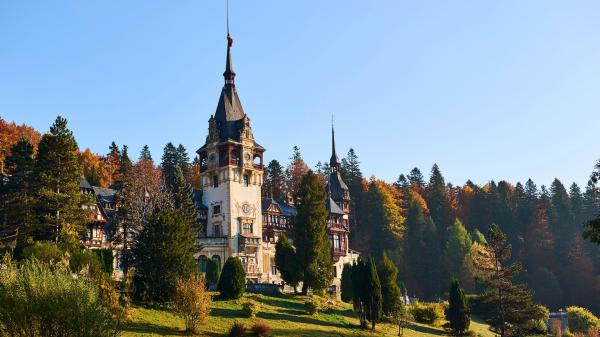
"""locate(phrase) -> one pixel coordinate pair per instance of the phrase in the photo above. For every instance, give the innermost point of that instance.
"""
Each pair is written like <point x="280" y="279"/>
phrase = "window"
<point x="273" y="268"/>
<point x="336" y="241"/>
<point x="334" y="271"/>
<point x="216" y="209"/>
<point x="247" y="228"/>
<point x="217" y="231"/>
<point x="215" y="181"/>
<point x="202" y="263"/>
<point x="246" y="180"/>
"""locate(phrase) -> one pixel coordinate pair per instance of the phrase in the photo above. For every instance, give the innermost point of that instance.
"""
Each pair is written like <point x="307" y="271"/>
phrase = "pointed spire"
<point x="334" y="162"/>
<point x="229" y="74"/>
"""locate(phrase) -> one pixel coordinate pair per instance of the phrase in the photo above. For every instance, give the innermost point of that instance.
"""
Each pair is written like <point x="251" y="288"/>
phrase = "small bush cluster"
<point x="428" y="313"/>
<point x="192" y="302"/>
<point x="249" y="309"/>
<point x="261" y="329"/>
<point x="237" y="330"/>
<point x="310" y="307"/>
<point x="581" y="320"/>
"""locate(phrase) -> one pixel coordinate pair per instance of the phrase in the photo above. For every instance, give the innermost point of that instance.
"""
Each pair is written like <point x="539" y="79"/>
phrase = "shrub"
<point x="39" y="301"/>
<point x="105" y="256"/>
<point x="192" y="302"/>
<point x="232" y="282"/>
<point x="237" y="330"/>
<point x="83" y="259"/>
<point x="261" y="329"/>
<point x="428" y="313"/>
<point x="45" y="252"/>
<point x="249" y="309"/>
<point x="581" y="320"/>
<point x="213" y="271"/>
<point x="310" y="307"/>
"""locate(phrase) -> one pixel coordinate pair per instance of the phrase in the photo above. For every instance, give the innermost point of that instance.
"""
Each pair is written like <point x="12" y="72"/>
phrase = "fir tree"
<point x="183" y="160"/>
<point x="274" y="185"/>
<point x="510" y="308"/>
<point x="170" y="161"/>
<point x="373" y="298"/>
<point x="295" y="171"/>
<point x="438" y="201"/>
<point x="232" y="282"/>
<point x="145" y="153"/>
<point x="415" y="177"/>
<point x="287" y="262"/>
<point x="561" y="217"/>
<point x="164" y="253"/>
<point x="458" y="313"/>
<point x="458" y="245"/>
<point x="390" y="292"/>
<point x="56" y="175"/>
<point x="346" y="288"/>
<point x="366" y="290"/>
<point x="183" y="198"/>
<point x="213" y="272"/>
<point x="112" y="163"/>
<point x="16" y="196"/>
<point x="384" y="218"/>
<point x="310" y="235"/>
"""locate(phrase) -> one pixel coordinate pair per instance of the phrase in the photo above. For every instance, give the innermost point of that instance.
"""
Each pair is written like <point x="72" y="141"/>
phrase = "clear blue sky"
<point x="486" y="89"/>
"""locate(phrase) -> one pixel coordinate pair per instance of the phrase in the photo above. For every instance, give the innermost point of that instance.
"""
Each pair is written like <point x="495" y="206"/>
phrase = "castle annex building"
<point x="238" y="221"/>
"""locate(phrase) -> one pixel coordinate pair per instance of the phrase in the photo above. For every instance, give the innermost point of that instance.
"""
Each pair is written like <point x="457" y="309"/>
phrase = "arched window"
<point x="202" y="262"/>
<point x="218" y="258"/>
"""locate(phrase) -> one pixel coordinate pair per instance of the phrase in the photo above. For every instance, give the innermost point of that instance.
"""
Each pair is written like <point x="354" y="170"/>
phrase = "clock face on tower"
<point x="247" y="156"/>
<point x="246" y="208"/>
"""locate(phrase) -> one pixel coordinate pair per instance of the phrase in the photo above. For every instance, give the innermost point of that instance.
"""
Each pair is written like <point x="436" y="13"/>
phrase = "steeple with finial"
<point x="334" y="162"/>
<point x="229" y="74"/>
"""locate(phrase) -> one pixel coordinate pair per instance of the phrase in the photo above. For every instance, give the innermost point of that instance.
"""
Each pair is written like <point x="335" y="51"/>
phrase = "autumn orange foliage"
<point x="10" y="133"/>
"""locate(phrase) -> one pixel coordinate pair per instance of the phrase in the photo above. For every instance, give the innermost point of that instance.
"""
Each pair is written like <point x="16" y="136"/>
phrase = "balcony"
<point x="249" y="244"/>
<point x="251" y="269"/>
<point x="213" y="241"/>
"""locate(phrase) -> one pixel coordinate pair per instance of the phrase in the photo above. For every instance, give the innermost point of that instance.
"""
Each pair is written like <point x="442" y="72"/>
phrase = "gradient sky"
<point x="486" y="89"/>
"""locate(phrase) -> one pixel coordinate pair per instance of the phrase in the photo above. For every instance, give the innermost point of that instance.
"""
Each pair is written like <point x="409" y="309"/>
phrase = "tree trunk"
<point x="304" y="289"/>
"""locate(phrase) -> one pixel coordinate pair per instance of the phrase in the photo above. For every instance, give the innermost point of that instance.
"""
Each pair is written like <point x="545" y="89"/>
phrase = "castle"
<point x="237" y="221"/>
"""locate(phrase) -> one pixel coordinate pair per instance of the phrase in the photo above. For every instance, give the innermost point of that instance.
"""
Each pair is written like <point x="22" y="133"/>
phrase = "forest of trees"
<point x="430" y="229"/>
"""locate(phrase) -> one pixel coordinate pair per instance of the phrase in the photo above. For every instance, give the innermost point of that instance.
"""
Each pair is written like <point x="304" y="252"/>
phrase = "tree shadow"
<point x="146" y="327"/>
<point x="297" y="319"/>
<point x="313" y="333"/>
<point x="425" y="329"/>
<point x="279" y="303"/>
<point x="226" y="313"/>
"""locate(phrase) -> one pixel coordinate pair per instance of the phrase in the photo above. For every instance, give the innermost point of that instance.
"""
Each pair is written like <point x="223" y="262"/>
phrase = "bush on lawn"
<point x="192" y="302"/>
<point x="237" y="330"/>
<point x="428" y="313"/>
<point x="249" y="309"/>
<point x="310" y="307"/>
<point x="39" y="301"/>
<point x="261" y="329"/>
<point x="232" y="282"/>
<point x="581" y="320"/>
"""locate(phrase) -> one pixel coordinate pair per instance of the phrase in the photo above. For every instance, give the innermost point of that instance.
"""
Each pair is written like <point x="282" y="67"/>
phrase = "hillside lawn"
<point x="284" y="314"/>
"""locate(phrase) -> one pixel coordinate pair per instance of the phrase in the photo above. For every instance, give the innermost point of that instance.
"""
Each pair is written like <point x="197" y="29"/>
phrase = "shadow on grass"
<point x="146" y="327"/>
<point x="318" y="333"/>
<point x="426" y="329"/>
<point x="280" y="303"/>
<point x="226" y="313"/>
<point x="296" y="318"/>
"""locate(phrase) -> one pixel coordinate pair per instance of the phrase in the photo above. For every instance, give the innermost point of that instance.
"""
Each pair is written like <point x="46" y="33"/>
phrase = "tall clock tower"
<point x="231" y="179"/>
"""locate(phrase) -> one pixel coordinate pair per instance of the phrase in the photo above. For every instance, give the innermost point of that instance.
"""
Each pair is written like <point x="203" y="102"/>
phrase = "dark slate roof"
<point x="267" y="202"/>
<point x="332" y="207"/>
<point x="337" y="186"/>
<point x="287" y="209"/>
<point x="198" y="199"/>
<point x="83" y="183"/>
<point x="229" y="114"/>
<point x="104" y="194"/>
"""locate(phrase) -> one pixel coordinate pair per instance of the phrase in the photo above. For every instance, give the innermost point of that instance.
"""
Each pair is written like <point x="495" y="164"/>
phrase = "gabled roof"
<point x="83" y="183"/>
<point x="332" y="207"/>
<point x="266" y="203"/>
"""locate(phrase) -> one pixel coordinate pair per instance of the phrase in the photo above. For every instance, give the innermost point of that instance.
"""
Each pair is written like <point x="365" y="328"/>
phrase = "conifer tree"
<point x="287" y="262"/>
<point x="592" y="207"/>
<point x="112" y="162"/>
<point x="213" y="272"/>
<point x="415" y="177"/>
<point x="183" y="198"/>
<point x="274" y="185"/>
<point x="437" y="201"/>
<point x="170" y="161"/>
<point x="390" y="292"/>
<point x="458" y="245"/>
<point x="232" y="282"/>
<point x="561" y="217"/>
<point x="310" y="235"/>
<point x="366" y="290"/>
<point x="353" y="177"/>
<point x="384" y="218"/>
<point x="373" y="300"/>
<point x="510" y="308"/>
<point x="346" y="288"/>
<point x="57" y="173"/>
<point x="16" y="196"/>
<point x="145" y="153"/>
<point x="458" y="313"/>
<point x="183" y="160"/>
<point x="295" y="171"/>
<point x="164" y="253"/>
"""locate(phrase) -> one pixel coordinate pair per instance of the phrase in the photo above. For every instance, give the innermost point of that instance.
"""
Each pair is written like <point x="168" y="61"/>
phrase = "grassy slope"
<point x="285" y="316"/>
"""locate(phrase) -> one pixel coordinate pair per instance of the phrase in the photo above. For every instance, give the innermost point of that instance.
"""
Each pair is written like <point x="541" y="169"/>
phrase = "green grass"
<point x="285" y="315"/>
